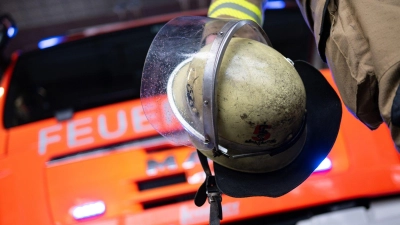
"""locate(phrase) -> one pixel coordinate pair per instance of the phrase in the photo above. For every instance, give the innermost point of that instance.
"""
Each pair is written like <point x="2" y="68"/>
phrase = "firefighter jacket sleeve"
<point x="359" y="40"/>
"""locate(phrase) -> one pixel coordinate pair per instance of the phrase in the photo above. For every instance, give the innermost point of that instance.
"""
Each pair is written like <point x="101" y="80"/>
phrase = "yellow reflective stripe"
<point x="248" y="5"/>
<point x="234" y="13"/>
<point x="237" y="8"/>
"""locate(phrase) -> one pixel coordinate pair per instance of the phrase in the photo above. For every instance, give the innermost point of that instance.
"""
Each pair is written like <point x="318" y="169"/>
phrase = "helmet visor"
<point x="165" y="97"/>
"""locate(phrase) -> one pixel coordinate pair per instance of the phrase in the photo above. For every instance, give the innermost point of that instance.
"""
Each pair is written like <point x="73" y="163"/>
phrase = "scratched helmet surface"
<point x="274" y="120"/>
<point x="261" y="104"/>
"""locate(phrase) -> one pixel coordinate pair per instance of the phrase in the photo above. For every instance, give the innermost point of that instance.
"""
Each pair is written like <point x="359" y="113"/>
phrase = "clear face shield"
<point x="189" y="115"/>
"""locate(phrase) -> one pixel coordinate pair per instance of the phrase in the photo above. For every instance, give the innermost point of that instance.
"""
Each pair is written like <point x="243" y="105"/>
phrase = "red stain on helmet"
<point x="261" y="133"/>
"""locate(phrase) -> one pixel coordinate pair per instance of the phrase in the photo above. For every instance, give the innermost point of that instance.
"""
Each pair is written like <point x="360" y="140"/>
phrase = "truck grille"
<point x="162" y="181"/>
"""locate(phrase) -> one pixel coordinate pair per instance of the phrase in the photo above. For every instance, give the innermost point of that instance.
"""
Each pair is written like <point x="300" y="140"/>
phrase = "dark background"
<point x="38" y="19"/>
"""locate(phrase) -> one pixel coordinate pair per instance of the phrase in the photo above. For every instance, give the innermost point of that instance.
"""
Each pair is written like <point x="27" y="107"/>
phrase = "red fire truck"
<point x="76" y="148"/>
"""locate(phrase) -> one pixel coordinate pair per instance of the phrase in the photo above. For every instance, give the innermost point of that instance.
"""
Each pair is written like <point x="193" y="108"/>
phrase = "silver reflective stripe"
<point x="239" y="8"/>
<point x="171" y="101"/>
<point x="175" y="110"/>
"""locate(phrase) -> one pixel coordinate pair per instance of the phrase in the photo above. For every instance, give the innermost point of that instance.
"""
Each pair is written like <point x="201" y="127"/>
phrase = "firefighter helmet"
<point x="265" y="121"/>
<point x="261" y="105"/>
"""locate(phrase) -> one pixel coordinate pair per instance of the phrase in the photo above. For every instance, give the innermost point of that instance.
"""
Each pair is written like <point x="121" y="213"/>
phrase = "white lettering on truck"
<point x="76" y="129"/>
<point x="45" y="140"/>
<point x="122" y="126"/>
<point x="80" y="132"/>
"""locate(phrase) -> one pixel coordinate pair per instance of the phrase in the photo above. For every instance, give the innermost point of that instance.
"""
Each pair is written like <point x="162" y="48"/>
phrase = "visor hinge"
<point x="216" y="152"/>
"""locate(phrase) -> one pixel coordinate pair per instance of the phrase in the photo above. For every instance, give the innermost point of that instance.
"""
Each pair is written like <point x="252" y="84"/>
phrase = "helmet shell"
<point x="260" y="100"/>
<point x="260" y="96"/>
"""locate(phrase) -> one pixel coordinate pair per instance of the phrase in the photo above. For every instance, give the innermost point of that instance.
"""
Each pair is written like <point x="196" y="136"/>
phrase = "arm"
<point x="306" y="12"/>
<point x="233" y="9"/>
<point x="237" y="9"/>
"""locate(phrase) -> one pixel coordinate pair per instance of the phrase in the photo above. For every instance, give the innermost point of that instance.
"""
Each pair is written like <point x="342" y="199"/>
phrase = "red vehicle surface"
<point x="76" y="148"/>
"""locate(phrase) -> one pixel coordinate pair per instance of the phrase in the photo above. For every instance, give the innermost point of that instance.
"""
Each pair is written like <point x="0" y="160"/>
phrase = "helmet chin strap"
<point x="209" y="190"/>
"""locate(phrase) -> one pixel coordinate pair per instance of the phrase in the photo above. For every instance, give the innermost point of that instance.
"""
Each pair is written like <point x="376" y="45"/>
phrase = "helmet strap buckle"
<point x="210" y="191"/>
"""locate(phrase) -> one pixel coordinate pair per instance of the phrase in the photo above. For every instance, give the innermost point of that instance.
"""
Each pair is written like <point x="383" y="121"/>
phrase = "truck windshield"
<point x="78" y="75"/>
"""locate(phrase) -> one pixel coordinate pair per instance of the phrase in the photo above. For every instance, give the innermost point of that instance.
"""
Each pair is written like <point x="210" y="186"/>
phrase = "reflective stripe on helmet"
<point x="236" y="8"/>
